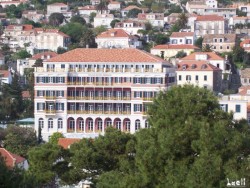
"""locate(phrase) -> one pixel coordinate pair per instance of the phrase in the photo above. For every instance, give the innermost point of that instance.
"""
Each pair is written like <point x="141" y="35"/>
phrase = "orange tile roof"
<point x="44" y="55"/>
<point x="11" y="159"/>
<point x="106" y="55"/>
<point x="66" y="142"/>
<point x="26" y="94"/>
<point x="175" y="46"/>
<point x="211" y="56"/>
<point x="5" y="73"/>
<point x="115" y="2"/>
<point x="197" y="66"/>
<point x="182" y="34"/>
<point x="210" y="18"/>
<point x="243" y="90"/>
<point x="88" y="7"/>
<point x="113" y="33"/>
<point x="240" y="18"/>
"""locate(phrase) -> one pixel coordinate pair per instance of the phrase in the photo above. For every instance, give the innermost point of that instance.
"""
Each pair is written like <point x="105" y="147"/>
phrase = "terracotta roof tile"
<point x="113" y="33"/>
<point x="5" y="73"/>
<point x="182" y="34"/>
<point x="210" y="56"/>
<point x="44" y="55"/>
<point x="106" y="55"/>
<point x="175" y="46"/>
<point x="245" y="73"/>
<point x="210" y="18"/>
<point x="11" y="159"/>
<point x="66" y="142"/>
<point x="26" y="94"/>
<point x="197" y="66"/>
<point x="243" y="90"/>
<point x="88" y="7"/>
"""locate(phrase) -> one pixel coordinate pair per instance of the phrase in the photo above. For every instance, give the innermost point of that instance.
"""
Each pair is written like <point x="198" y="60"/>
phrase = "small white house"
<point x="103" y="20"/>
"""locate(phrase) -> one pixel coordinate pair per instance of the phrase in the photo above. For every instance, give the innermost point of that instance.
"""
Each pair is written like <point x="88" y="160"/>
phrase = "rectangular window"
<point x="137" y="80"/>
<point x="188" y="77"/>
<point x="179" y="77"/>
<point x="237" y="108"/>
<point x="50" y="79"/>
<point x="205" y="78"/>
<point x="62" y="66"/>
<point x="137" y="107"/>
<point x="224" y="107"/>
<point x="40" y="93"/>
<point x="158" y="80"/>
<point x="40" y="80"/>
<point x="196" y="77"/>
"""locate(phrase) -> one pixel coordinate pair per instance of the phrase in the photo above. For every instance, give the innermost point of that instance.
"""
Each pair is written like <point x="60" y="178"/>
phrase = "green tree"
<point x="74" y="30"/>
<point x="78" y="19"/>
<point x="133" y="13"/>
<point x="61" y="50"/>
<point x="104" y="154"/>
<point x="91" y="17"/>
<point x="22" y="54"/>
<point x="112" y="24"/>
<point x="48" y="161"/>
<point x="199" y="42"/>
<point x="38" y="63"/>
<point x="207" y="48"/>
<point x="99" y="29"/>
<point x="161" y="38"/>
<point x="240" y="13"/>
<point x="55" y="137"/>
<point x="191" y="143"/>
<point x="87" y="39"/>
<point x="19" y="140"/>
<point x="56" y="19"/>
<point x="181" y="54"/>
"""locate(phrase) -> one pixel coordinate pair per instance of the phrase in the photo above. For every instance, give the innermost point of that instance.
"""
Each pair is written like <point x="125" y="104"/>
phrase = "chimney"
<point x="87" y="46"/>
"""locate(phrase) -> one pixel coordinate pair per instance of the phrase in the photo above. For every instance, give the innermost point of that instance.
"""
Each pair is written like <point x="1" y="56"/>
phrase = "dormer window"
<point x="184" y="67"/>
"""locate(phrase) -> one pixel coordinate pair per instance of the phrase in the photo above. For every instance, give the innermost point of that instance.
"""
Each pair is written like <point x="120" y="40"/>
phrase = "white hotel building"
<point x="83" y="91"/>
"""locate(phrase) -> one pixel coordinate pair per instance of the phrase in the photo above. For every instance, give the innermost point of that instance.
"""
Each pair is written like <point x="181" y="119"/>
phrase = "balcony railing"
<point x="98" y="112"/>
<point x="97" y="98"/>
<point x="50" y="111"/>
<point x="41" y="69"/>
<point x="50" y="97"/>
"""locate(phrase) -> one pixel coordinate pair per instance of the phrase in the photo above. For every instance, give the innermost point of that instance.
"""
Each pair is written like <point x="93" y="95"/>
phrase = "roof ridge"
<point x="9" y="153"/>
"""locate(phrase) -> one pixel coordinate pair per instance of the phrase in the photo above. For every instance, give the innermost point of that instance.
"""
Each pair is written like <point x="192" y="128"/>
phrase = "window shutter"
<point x="161" y="80"/>
<point x="37" y="79"/>
<point x="43" y="106"/>
<point x="62" y="106"/>
<point x="37" y="106"/>
<point x="56" y="106"/>
<point x="226" y="108"/>
<point x="134" y="107"/>
<point x="46" y="80"/>
<point x="140" y="94"/>
<point x="140" y="107"/>
<point x="152" y="80"/>
<point x="134" y="94"/>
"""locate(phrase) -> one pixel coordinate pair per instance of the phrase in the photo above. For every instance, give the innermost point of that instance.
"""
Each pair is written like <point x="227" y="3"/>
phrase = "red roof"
<point x="182" y="34"/>
<point x="87" y="7"/>
<point x="66" y="142"/>
<point x="11" y="159"/>
<point x="210" y="56"/>
<point x="175" y="46"/>
<point x="5" y="73"/>
<point x="243" y="90"/>
<point x="112" y="33"/>
<point x="196" y="66"/>
<point x="44" y="55"/>
<point x="26" y="94"/>
<point x="210" y="18"/>
<point x="130" y="7"/>
<point x="106" y="55"/>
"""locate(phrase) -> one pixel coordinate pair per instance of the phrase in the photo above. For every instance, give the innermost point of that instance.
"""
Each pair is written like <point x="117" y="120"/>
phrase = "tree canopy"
<point x="191" y="143"/>
<point x="56" y="19"/>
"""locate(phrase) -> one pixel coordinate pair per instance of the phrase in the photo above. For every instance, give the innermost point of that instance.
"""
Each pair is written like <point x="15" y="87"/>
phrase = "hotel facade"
<point x="82" y="92"/>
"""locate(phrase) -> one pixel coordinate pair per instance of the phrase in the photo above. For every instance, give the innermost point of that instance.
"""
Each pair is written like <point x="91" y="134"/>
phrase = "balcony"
<point x="98" y="112"/>
<point x="50" y="112"/>
<point x="148" y="98"/>
<point x="50" y="97"/>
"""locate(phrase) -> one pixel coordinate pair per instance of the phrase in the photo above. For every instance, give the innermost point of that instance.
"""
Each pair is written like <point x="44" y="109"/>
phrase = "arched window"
<point x="71" y="124"/>
<point x="50" y="123"/>
<point x="118" y="124"/>
<point x="60" y="123"/>
<point x="127" y="125"/>
<point x="90" y="125"/>
<point x="41" y="122"/>
<point x="99" y="124"/>
<point x="147" y="124"/>
<point x="137" y="124"/>
<point x="81" y="124"/>
<point x="109" y="122"/>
